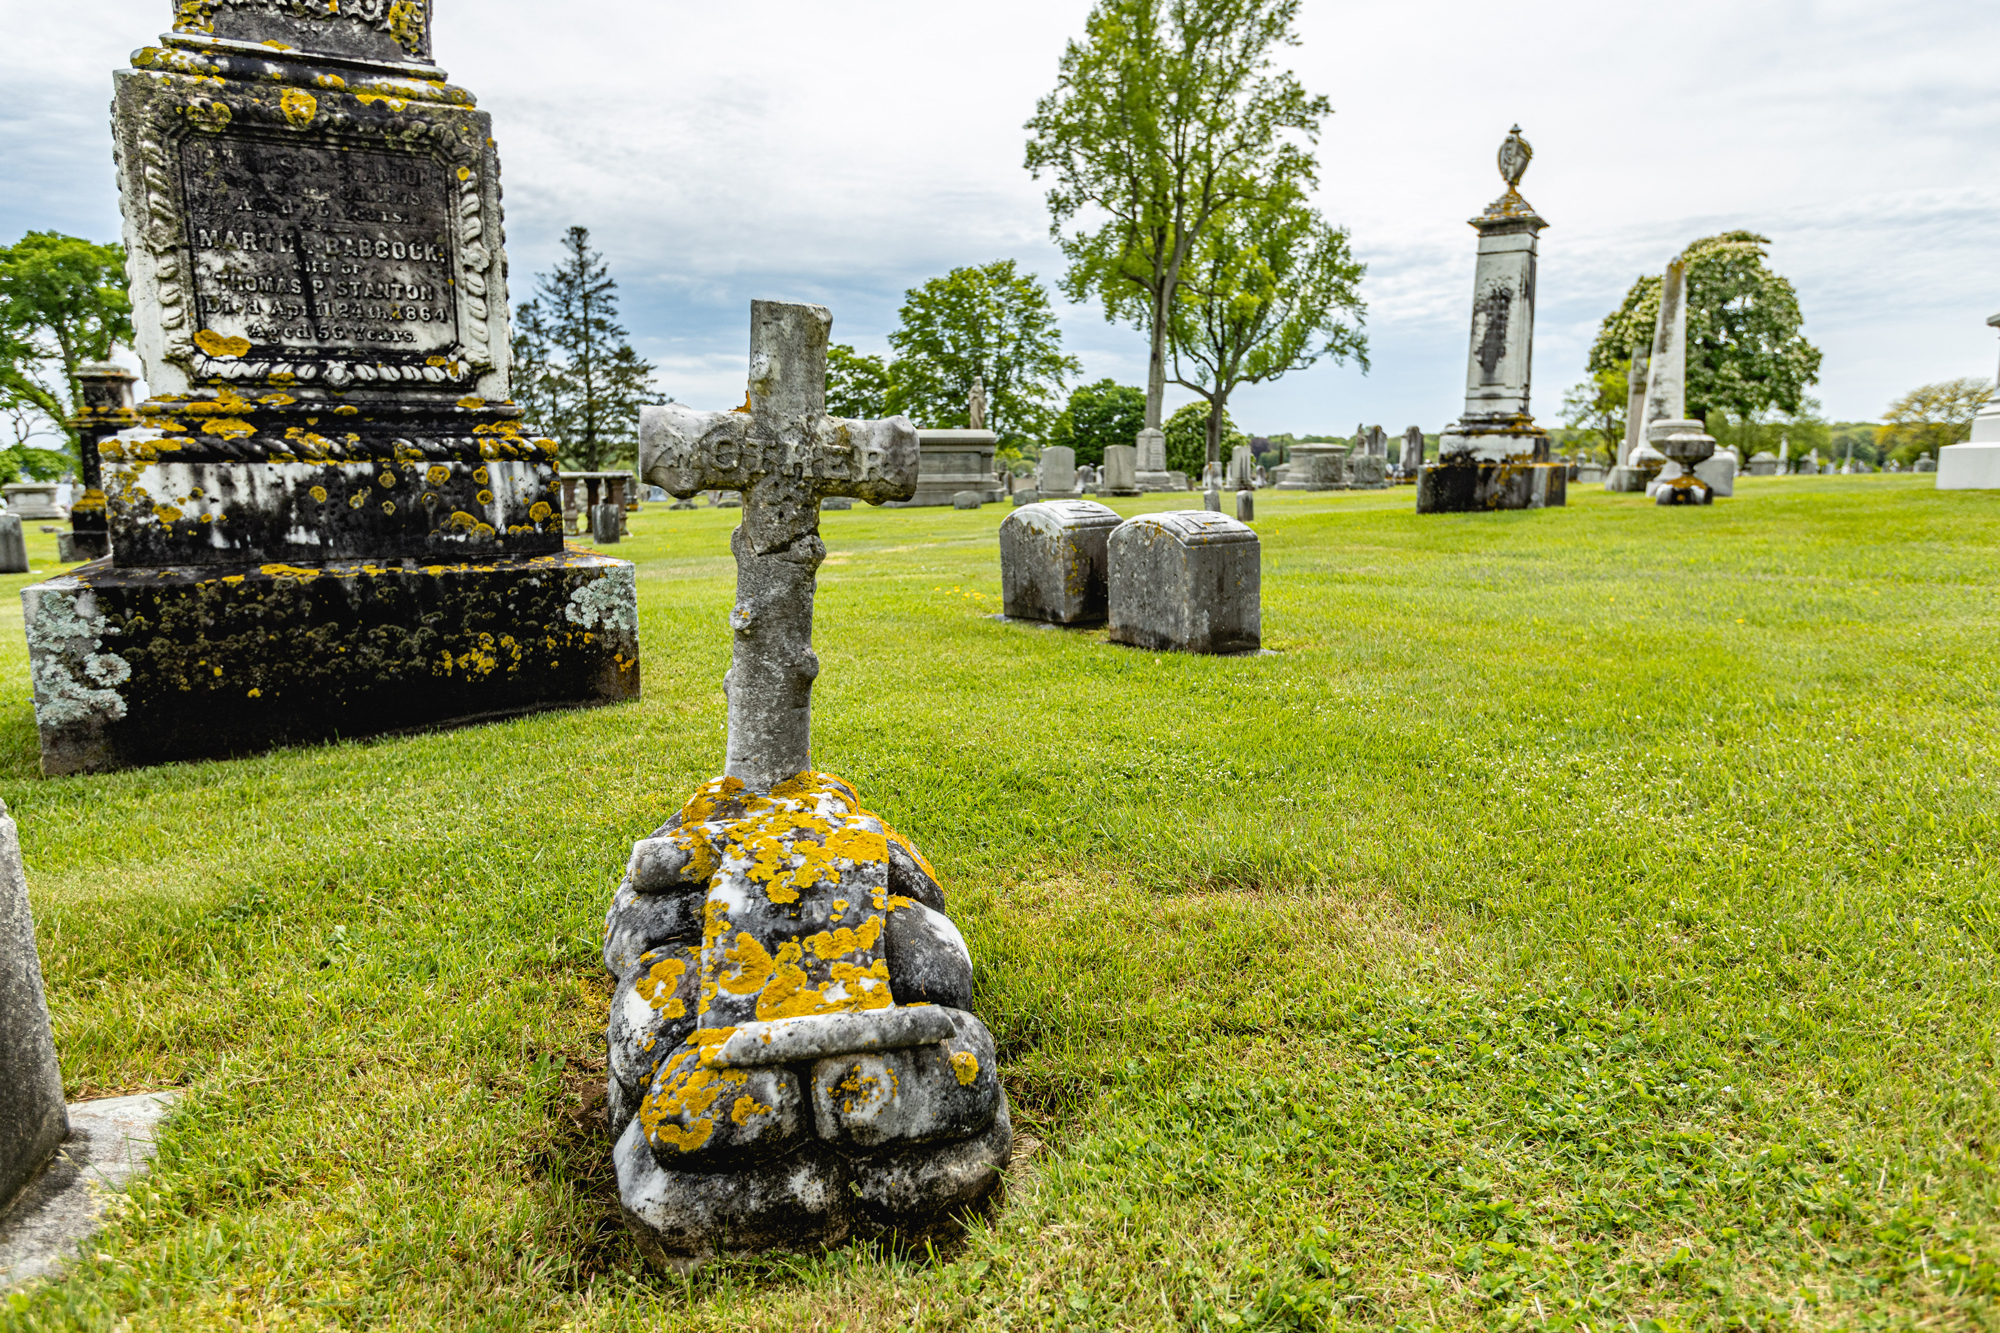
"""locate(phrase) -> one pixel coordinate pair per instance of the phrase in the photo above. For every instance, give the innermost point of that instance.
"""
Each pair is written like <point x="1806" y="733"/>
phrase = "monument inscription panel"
<point x="318" y="248"/>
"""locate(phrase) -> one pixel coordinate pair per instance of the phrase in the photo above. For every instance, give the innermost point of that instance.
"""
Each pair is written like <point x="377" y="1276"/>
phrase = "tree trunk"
<point x="1215" y="411"/>
<point x="1156" y="369"/>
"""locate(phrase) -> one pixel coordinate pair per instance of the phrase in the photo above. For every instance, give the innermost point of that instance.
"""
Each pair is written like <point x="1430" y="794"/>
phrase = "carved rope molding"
<point x="408" y="21"/>
<point x="165" y="237"/>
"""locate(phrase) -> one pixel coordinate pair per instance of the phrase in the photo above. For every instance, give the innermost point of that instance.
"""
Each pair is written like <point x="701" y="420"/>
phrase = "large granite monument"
<point x="1495" y="456"/>
<point x="328" y="519"/>
<point x="1974" y="465"/>
<point x="793" y="1057"/>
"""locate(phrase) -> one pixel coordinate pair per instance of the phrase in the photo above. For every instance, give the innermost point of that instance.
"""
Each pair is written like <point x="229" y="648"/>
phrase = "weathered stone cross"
<point x="784" y="453"/>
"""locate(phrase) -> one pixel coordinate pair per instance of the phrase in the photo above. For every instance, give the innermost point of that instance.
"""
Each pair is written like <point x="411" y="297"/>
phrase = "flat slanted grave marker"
<point x="793" y="1058"/>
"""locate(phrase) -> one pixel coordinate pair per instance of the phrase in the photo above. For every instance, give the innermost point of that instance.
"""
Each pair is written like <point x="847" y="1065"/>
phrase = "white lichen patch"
<point x="75" y="680"/>
<point x="610" y="601"/>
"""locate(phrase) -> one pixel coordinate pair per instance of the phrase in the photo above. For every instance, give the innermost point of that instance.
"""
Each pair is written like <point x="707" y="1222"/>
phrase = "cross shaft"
<point x="784" y="454"/>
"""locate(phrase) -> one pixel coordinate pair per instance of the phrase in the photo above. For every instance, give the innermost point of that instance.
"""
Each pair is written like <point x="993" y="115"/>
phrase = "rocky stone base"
<point x="792" y="1056"/>
<point x="1465" y="488"/>
<point x="146" y="666"/>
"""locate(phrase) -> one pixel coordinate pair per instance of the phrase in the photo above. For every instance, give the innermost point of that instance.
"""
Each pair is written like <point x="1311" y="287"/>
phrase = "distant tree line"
<point x="62" y="303"/>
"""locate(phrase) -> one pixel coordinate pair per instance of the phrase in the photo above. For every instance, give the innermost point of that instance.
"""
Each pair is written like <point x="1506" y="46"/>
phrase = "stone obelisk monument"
<point x="329" y="518"/>
<point x="1495" y="456"/>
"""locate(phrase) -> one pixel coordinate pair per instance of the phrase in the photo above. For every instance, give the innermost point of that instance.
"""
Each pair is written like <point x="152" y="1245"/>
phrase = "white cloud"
<point x="843" y="153"/>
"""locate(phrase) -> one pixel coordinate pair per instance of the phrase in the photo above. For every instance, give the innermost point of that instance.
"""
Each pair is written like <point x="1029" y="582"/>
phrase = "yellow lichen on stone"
<point x="966" y="1065"/>
<point x="657" y="987"/>
<point x="229" y="428"/>
<point x="747" y="1106"/>
<point x="318" y="493"/>
<point x="438" y="475"/>
<point x="221" y="346"/>
<point x="299" y="107"/>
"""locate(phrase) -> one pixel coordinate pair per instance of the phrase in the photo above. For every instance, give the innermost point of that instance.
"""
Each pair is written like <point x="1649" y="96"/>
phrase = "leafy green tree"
<point x="857" y="385"/>
<point x="1165" y="115"/>
<point x="1187" y="438"/>
<point x="1745" y="352"/>
<point x="1100" y="414"/>
<point x="1931" y="416"/>
<point x="1595" y="409"/>
<point x="989" y="323"/>
<point x="1269" y="290"/>
<point x="62" y="303"/>
<point x="578" y="379"/>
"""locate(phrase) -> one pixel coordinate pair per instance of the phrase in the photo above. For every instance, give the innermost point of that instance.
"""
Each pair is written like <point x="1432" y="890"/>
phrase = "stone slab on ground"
<point x="233" y="662"/>
<point x="1053" y="561"/>
<point x="1186" y="581"/>
<point x="110" y="1141"/>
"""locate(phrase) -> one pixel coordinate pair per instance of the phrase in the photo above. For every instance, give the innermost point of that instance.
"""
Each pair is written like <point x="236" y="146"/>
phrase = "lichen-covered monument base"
<point x="1466" y="485"/>
<point x="151" y="665"/>
<point x="793" y="1060"/>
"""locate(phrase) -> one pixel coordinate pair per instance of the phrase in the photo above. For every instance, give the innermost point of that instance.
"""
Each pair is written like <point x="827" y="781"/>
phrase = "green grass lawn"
<point x="1585" y="917"/>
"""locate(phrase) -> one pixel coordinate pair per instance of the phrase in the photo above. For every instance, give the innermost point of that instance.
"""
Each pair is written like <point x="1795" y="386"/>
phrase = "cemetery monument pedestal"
<point x="328" y="521"/>
<point x="954" y="461"/>
<point x="1495" y="456"/>
<point x="1974" y="465"/>
<point x="793" y="1057"/>
<point x="1316" y="467"/>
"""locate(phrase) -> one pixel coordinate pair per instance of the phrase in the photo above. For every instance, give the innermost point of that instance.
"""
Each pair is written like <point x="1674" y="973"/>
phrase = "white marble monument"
<point x="1974" y="465"/>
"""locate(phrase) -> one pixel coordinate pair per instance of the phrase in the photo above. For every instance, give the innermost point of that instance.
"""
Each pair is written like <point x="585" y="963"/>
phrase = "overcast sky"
<point x="843" y="153"/>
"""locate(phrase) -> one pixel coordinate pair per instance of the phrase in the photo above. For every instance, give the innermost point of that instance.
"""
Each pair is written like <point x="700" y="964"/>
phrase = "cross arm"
<point x="683" y="451"/>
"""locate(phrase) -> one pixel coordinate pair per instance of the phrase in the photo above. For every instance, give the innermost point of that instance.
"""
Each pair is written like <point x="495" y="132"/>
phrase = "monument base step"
<point x="148" y="666"/>
<point x="1158" y="481"/>
<point x="1969" y="467"/>
<point x="1633" y="480"/>
<point x="1465" y="488"/>
<point x="73" y="548"/>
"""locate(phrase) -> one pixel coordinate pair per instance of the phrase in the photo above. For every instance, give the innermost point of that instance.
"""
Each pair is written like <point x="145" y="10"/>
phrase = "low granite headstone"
<point x="968" y="499"/>
<point x="32" y="499"/>
<point x="1211" y="500"/>
<point x="837" y="502"/>
<point x="1246" y="505"/>
<point x="13" y="545"/>
<point x="1053" y="561"/>
<point x="1188" y="581"/>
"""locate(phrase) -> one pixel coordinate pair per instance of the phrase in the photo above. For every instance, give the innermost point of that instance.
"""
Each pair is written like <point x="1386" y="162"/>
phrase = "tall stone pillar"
<point x="1635" y="405"/>
<point x="1495" y="456"/>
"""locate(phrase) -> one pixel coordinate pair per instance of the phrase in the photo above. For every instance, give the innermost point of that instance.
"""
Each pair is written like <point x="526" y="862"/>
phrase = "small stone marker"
<point x="1211" y="500"/>
<point x="1121" y="469"/>
<point x="1058" y="471"/>
<point x="605" y="522"/>
<point x="1246" y="505"/>
<point x="1189" y="581"/>
<point x="13" y="545"/>
<point x="33" y="1121"/>
<point x="792" y="1054"/>
<point x="968" y="499"/>
<point x="1053" y="561"/>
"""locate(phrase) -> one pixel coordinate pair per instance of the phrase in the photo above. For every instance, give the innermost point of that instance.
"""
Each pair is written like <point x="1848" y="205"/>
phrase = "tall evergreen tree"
<point x="575" y="374"/>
